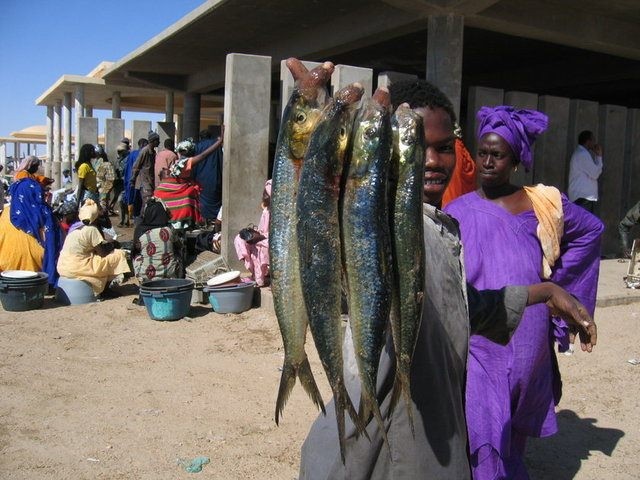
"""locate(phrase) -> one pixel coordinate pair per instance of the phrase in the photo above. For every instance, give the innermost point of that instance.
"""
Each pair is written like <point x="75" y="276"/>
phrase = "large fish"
<point x="407" y="239"/>
<point x="319" y="243"/>
<point x="298" y="120"/>
<point x="366" y="244"/>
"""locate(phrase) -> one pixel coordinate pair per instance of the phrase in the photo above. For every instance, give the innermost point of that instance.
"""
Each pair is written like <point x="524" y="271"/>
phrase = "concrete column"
<point x="3" y="156"/>
<point x="343" y="75"/>
<point x="57" y="143"/>
<point x="66" y="133"/>
<point x="78" y="112"/>
<point x="387" y="78"/>
<point x="191" y="120"/>
<point x="113" y="133"/>
<point x="116" y="110"/>
<point x="444" y="55"/>
<point x="49" y="162"/>
<point x="246" y="145"/>
<point x="178" y="121"/>
<point x="551" y="146"/>
<point x="611" y="135"/>
<point x="88" y="111"/>
<point x="287" y="83"/>
<point x="140" y="130"/>
<point x="632" y="159"/>
<point x="522" y="100"/>
<point x="583" y="115"/>
<point x="168" y="107"/>
<point x="478" y="97"/>
<point x="166" y="130"/>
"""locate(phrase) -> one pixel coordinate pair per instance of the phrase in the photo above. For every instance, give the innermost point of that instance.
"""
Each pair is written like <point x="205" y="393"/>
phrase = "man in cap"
<point x="144" y="169"/>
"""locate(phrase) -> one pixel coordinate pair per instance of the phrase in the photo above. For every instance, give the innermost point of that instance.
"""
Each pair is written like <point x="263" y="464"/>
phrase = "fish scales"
<point x="407" y="237"/>
<point x="319" y="243"/>
<point x="366" y="243"/>
<point x="298" y="120"/>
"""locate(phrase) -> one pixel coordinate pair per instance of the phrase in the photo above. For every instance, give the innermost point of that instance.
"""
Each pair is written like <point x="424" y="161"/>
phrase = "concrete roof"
<point x="190" y="55"/>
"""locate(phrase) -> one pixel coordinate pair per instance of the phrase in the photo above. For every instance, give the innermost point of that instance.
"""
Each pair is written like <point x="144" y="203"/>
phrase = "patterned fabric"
<point x="181" y="199"/>
<point x="31" y="214"/>
<point x="105" y="174"/>
<point x="159" y="255"/>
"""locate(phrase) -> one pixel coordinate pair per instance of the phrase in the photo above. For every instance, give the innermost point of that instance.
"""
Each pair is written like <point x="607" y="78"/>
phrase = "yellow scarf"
<point x="547" y="205"/>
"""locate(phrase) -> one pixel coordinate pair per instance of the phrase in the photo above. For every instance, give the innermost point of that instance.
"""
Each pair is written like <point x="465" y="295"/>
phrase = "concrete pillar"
<point x="343" y="75"/>
<point x="88" y="111"/>
<point x="113" y="133"/>
<point x="66" y="133"/>
<point x="246" y="145"/>
<point x="444" y="55"/>
<point x="191" y="120"/>
<point x="116" y="110"/>
<point x="49" y="162"/>
<point x="632" y="159"/>
<point x="57" y="143"/>
<point x="551" y="146"/>
<point x="522" y="100"/>
<point x="387" y="78"/>
<point x="16" y="151"/>
<point x="583" y="115"/>
<point x="140" y="130"/>
<point x="478" y="97"/>
<point x="168" y="107"/>
<point x="3" y="156"/>
<point x="88" y="132"/>
<point x="611" y="135"/>
<point x="178" y="121"/>
<point x="166" y="130"/>
<point x="78" y="112"/>
<point x="287" y="83"/>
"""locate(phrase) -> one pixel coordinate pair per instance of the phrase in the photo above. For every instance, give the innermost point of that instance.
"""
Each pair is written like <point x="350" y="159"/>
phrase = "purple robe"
<point x="512" y="390"/>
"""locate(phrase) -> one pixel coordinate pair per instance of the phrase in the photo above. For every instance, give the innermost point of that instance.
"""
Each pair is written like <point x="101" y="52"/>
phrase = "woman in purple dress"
<point x="515" y="235"/>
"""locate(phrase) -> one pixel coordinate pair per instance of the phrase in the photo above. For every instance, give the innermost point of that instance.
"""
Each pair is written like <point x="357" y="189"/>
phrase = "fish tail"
<point x="402" y="387"/>
<point x="341" y="398"/>
<point x="369" y="406"/>
<point x="288" y="380"/>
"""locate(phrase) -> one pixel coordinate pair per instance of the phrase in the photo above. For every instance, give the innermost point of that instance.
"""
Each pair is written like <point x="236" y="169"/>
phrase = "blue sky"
<point x="41" y="40"/>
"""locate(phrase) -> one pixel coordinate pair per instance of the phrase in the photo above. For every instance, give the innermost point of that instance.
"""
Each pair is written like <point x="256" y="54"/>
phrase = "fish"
<point x="319" y="243"/>
<point x="407" y="245"/>
<point x="298" y="121"/>
<point x="367" y="246"/>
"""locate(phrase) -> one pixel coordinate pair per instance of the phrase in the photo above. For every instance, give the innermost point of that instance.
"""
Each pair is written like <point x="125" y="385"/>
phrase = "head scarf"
<point x="31" y="214"/>
<point x="186" y="147"/>
<point x="153" y="136"/>
<point x="155" y="216"/>
<point x="519" y="128"/>
<point x="88" y="212"/>
<point x="28" y="162"/>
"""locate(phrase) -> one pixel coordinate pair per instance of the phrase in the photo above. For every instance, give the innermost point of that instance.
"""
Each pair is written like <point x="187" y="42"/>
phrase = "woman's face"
<point x="494" y="161"/>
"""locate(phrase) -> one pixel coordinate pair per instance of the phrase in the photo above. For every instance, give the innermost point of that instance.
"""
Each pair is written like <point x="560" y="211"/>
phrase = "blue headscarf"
<point x="31" y="214"/>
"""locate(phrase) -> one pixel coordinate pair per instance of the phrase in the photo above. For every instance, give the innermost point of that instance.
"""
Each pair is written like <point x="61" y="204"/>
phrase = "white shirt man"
<point x="584" y="171"/>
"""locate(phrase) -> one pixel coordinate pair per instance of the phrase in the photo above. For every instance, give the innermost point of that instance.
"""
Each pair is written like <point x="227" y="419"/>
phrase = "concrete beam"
<point x="611" y="135"/>
<point x="344" y="75"/>
<point x="166" y="130"/>
<point x="78" y="95"/>
<point x="444" y="55"/>
<point x="246" y="145"/>
<point x="66" y="134"/>
<point x="49" y="162"/>
<point x="113" y="133"/>
<point x="57" y="142"/>
<point x="168" y="106"/>
<point x="116" y="110"/>
<point x="551" y="147"/>
<point x="387" y="78"/>
<point x="191" y="118"/>
<point x="632" y="159"/>
<point x="139" y="130"/>
<point x="583" y="115"/>
<point x="522" y="100"/>
<point x="478" y="97"/>
<point x="158" y="80"/>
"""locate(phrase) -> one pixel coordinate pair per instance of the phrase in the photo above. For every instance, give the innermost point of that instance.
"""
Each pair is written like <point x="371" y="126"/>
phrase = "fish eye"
<point x="301" y="117"/>
<point x="343" y="132"/>
<point x="369" y="132"/>
<point x="408" y="139"/>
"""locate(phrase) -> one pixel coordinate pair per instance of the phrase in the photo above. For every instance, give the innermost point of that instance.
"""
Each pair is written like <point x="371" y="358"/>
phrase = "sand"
<point x="103" y="391"/>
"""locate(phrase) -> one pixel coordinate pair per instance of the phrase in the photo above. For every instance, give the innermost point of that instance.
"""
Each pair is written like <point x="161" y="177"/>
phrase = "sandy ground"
<point x="103" y="391"/>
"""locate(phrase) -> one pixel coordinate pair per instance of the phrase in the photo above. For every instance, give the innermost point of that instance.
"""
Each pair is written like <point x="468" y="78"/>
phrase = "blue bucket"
<point x="235" y="298"/>
<point x="167" y="299"/>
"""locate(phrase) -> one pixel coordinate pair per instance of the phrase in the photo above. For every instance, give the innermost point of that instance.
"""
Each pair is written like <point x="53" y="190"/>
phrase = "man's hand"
<point x="564" y="305"/>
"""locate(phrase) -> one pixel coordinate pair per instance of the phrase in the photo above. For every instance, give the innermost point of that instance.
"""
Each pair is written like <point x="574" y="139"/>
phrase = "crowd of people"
<point x="484" y="375"/>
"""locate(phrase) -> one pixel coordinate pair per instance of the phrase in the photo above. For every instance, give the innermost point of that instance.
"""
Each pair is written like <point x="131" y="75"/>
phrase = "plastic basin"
<point x="236" y="298"/>
<point x="167" y="299"/>
<point x="20" y="295"/>
<point x="71" y="291"/>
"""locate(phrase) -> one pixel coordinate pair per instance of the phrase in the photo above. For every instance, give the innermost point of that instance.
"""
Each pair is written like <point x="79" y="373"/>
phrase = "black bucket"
<point x="22" y="294"/>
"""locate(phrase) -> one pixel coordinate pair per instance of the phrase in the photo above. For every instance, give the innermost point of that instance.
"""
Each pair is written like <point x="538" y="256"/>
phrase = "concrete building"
<point x="577" y="60"/>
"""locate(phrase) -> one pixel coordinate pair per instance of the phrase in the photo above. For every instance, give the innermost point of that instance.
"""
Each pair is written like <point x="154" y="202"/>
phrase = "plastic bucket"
<point x="22" y="294"/>
<point x="167" y="299"/>
<point x="72" y="291"/>
<point x="231" y="299"/>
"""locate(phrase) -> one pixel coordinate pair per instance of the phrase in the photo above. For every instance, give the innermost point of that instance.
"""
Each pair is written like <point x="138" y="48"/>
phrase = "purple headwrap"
<point x="519" y="128"/>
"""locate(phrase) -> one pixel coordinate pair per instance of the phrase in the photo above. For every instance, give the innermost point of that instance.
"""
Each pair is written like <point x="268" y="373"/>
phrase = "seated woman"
<point x="30" y="238"/>
<point x="255" y="252"/>
<point x="178" y="191"/>
<point x="85" y="254"/>
<point x="157" y="249"/>
<point x="28" y="168"/>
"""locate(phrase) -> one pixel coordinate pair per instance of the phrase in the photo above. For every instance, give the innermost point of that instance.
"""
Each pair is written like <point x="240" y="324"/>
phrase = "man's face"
<point x="440" y="153"/>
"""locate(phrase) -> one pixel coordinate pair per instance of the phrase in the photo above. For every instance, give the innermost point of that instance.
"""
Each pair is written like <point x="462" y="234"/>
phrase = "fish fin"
<point x="369" y="406"/>
<point x="288" y="381"/>
<point x="341" y="398"/>
<point x="355" y="417"/>
<point x="403" y="385"/>
<point x="309" y="384"/>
